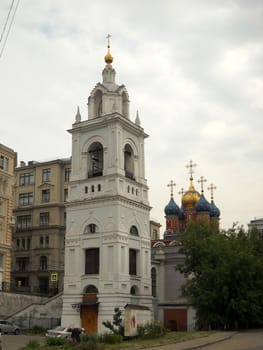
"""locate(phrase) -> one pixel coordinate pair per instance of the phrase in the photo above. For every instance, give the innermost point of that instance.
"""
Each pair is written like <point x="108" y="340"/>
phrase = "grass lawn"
<point x="170" y="337"/>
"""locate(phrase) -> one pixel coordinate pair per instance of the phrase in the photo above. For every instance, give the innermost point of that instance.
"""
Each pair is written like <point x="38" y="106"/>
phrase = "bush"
<point x="111" y="338"/>
<point x="151" y="330"/>
<point x="90" y="337"/>
<point x="33" y="344"/>
<point x="54" y="341"/>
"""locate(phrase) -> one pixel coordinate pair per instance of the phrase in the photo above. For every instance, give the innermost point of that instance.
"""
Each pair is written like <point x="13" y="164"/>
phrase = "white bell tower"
<point x="107" y="246"/>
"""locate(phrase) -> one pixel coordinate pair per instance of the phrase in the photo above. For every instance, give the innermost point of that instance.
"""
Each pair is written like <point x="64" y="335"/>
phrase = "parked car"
<point x="8" y="327"/>
<point x="61" y="332"/>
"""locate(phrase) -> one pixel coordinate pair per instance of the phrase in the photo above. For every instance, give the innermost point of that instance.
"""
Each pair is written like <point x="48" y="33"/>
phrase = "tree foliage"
<point x="225" y="276"/>
<point x="116" y="326"/>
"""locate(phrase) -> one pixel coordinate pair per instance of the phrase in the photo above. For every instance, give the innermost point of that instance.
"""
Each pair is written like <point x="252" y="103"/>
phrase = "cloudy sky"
<point x="193" y="70"/>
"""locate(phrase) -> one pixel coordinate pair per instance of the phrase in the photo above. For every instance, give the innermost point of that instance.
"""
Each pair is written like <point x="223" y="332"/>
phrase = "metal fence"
<point x="25" y="322"/>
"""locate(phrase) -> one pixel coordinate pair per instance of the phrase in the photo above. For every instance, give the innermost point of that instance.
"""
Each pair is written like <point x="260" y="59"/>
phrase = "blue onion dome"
<point x="181" y="214"/>
<point x="214" y="211"/>
<point x="171" y="208"/>
<point x="202" y="205"/>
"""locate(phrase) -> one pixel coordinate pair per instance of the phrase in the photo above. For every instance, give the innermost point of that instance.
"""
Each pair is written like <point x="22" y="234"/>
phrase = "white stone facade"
<point x="108" y="209"/>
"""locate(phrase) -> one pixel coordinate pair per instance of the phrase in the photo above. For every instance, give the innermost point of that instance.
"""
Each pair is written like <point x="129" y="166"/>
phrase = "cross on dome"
<point x="182" y="191"/>
<point x="211" y="188"/>
<point x="172" y="185"/>
<point x="202" y="180"/>
<point x="191" y="166"/>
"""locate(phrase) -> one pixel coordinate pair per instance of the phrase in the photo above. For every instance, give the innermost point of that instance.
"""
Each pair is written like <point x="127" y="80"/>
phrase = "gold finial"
<point x="172" y="185"/>
<point x="202" y="181"/>
<point x="191" y="171"/>
<point x="108" y="58"/>
<point x="211" y="188"/>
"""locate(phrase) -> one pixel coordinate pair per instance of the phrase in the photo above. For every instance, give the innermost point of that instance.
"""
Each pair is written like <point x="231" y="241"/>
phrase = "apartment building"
<point x="7" y="165"/>
<point x="38" y="242"/>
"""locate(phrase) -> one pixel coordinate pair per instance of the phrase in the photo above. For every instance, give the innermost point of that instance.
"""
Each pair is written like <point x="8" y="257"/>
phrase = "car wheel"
<point x="17" y="331"/>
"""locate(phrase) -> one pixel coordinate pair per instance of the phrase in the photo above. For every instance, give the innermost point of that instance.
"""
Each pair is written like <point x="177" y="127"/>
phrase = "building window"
<point x="1" y="262"/>
<point x="67" y="174"/>
<point x="22" y="282"/>
<point x="129" y="162"/>
<point x="25" y="199"/>
<point x="44" y="218"/>
<point x="65" y="195"/>
<point x="23" y="222"/>
<point x="153" y="275"/>
<point x="43" y="263"/>
<point x="133" y="262"/>
<point x="4" y="163"/>
<point x="44" y="241"/>
<point x="91" y="228"/>
<point x="95" y="160"/>
<point x="22" y="264"/>
<point x="134" y="231"/>
<point x="45" y="195"/>
<point x="86" y="189"/>
<point x="92" y="188"/>
<point x="65" y="218"/>
<point x="134" y="290"/>
<point x="92" y="261"/>
<point x="26" y="179"/>
<point x="99" y="187"/>
<point x="46" y="175"/>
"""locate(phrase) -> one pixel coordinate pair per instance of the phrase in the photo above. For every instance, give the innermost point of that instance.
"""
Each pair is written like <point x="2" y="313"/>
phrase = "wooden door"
<point x="176" y="319"/>
<point x="89" y="318"/>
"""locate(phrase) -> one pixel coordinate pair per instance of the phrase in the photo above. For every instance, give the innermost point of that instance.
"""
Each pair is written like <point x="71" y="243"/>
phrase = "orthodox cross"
<point x="191" y="166"/>
<point x="182" y="191"/>
<point x="202" y="180"/>
<point x="108" y="38"/>
<point x="211" y="188"/>
<point x="172" y="185"/>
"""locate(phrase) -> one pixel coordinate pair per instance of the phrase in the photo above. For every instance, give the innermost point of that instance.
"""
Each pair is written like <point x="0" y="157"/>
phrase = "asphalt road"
<point x="247" y="340"/>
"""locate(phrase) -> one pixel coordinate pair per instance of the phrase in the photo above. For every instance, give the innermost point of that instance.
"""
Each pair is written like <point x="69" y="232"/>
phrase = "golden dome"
<point x="190" y="197"/>
<point x="108" y="58"/>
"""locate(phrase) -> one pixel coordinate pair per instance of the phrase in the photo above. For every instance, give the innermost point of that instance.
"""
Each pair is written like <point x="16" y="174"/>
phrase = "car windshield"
<point x="59" y="328"/>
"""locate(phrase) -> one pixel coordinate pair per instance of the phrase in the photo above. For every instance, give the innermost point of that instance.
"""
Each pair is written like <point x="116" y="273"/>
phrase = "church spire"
<point x="108" y="74"/>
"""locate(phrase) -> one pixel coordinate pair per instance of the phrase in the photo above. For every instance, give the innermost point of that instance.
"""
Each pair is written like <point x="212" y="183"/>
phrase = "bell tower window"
<point x="98" y="104"/>
<point x="129" y="162"/>
<point x="95" y="160"/>
<point x="125" y="105"/>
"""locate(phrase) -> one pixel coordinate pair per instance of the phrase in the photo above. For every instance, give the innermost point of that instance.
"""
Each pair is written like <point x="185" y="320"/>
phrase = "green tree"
<point x="225" y="278"/>
<point x="116" y="326"/>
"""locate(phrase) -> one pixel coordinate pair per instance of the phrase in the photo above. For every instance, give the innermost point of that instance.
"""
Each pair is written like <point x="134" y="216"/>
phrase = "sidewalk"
<point x="197" y="343"/>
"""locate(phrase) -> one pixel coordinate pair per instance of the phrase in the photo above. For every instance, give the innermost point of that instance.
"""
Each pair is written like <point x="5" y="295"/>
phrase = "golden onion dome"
<point x="190" y="197"/>
<point x="108" y="58"/>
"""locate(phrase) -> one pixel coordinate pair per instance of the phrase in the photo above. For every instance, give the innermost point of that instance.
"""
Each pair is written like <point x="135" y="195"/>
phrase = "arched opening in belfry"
<point x="98" y="104"/>
<point x="95" y="160"/>
<point x="129" y="162"/>
<point x="125" y="105"/>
